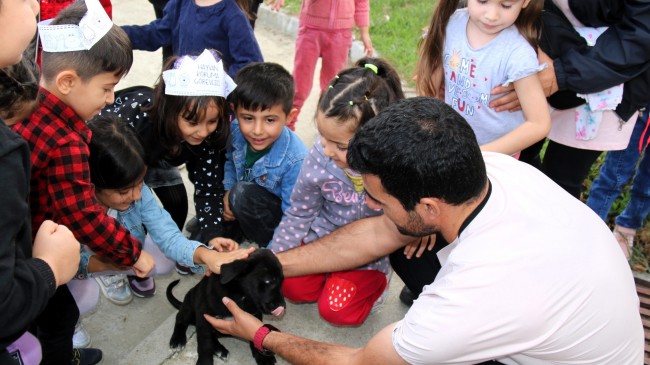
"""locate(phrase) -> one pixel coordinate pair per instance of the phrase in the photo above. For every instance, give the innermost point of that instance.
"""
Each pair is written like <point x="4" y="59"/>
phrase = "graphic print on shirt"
<point x="468" y="93"/>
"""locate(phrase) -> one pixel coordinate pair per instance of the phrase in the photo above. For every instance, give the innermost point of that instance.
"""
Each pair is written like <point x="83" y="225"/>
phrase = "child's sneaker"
<point x="379" y="303"/>
<point x="115" y="288"/>
<point x="81" y="338"/>
<point x="142" y="287"/>
<point x="183" y="270"/>
<point x="86" y="356"/>
<point x="625" y="238"/>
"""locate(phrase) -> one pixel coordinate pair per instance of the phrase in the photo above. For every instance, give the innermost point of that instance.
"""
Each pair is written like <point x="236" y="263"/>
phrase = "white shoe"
<point x="379" y="303"/>
<point x="115" y="288"/>
<point x="81" y="338"/>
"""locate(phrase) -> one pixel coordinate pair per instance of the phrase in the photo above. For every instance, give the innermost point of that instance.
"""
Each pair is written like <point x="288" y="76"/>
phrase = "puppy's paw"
<point x="222" y="353"/>
<point x="177" y="342"/>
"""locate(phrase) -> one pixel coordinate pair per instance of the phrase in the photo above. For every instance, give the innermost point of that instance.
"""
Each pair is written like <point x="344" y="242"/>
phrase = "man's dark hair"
<point x="419" y="148"/>
<point x="262" y="85"/>
<point x="112" y="53"/>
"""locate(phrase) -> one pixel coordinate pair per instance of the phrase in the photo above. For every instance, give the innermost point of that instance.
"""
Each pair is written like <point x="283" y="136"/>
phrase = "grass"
<point x="395" y="30"/>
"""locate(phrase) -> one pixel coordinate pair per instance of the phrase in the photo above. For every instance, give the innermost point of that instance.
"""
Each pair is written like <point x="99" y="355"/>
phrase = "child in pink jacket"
<point x="325" y="31"/>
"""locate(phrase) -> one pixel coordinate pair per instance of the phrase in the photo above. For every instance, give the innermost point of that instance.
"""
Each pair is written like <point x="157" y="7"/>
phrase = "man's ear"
<point x="292" y="114"/>
<point x="430" y="208"/>
<point x="65" y="81"/>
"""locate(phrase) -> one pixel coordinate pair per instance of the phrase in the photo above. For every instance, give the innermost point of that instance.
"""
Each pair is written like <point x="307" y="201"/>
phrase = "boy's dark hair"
<point x="165" y="110"/>
<point x="262" y="85"/>
<point x="360" y="92"/>
<point x="116" y="156"/>
<point x="112" y="53"/>
<point x="420" y="147"/>
<point x="18" y="84"/>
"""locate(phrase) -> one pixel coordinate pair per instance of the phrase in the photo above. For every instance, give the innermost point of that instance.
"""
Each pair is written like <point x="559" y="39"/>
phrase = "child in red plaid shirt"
<point x="76" y="84"/>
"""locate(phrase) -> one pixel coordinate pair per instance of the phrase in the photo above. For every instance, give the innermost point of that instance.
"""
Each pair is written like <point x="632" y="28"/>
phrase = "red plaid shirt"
<point x="60" y="182"/>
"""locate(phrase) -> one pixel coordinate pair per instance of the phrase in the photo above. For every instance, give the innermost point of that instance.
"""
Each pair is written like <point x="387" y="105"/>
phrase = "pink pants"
<point x="332" y="46"/>
<point x="344" y="298"/>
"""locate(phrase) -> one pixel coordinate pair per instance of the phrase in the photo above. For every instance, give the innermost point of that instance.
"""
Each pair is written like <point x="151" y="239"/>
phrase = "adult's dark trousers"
<point x="257" y="210"/>
<point x="417" y="272"/>
<point x="55" y="327"/>
<point x="568" y="166"/>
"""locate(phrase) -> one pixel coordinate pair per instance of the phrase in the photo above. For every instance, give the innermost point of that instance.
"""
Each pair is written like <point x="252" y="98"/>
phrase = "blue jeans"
<point x="618" y="168"/>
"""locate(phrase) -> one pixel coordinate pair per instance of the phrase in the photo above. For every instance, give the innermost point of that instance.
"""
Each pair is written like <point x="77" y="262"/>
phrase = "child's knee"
<point x="303" y="289"/>
<point x="353" y="315"/>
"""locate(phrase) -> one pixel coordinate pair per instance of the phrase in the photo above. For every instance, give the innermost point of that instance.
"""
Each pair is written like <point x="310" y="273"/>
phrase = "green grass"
<point x="395" y="30"/>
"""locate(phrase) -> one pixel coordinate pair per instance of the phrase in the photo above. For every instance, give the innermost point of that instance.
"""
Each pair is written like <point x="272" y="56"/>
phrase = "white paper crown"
<point x="200" y="76"/>
<point x="71" y="37"/>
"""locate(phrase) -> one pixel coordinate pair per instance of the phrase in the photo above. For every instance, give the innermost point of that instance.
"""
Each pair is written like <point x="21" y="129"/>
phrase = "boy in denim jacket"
<point x="265" y="156"/>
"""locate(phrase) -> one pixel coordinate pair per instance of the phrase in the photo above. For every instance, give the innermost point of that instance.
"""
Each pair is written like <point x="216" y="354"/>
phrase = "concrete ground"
<point x="139" y="332"/>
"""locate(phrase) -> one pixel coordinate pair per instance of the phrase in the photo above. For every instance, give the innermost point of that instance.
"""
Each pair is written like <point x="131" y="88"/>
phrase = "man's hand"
<point x="275" y="4"/>
<point x="144" y="265"/>
<point x="419" y="245"/>
<point x="510" y="101"/>
<point x="227" y="213"/>
<point x="56" y="245"/>
<point x="243" y="325"/>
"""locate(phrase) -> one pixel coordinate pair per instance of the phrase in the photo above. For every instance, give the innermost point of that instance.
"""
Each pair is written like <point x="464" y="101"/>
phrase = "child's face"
<point x="334" y="137"/>
<point x="195" y="132"/>
<point x="489" y="17"/>
<point x="18" y="20"/>
<point x="88" y="98"/>
<point x="119" y="199"/>
<point x="261" y="128"/>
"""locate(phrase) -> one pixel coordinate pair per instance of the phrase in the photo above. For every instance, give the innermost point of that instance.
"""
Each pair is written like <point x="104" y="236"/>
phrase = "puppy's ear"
<point x="232" y="270"/>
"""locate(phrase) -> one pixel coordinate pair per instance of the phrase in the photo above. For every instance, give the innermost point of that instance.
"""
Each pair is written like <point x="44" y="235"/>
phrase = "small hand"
<point x="215" y="260"/>
<point x="243" y="325"/>
<point x="57" y="246"/>
<point x="227" y="213"/>
<point x="275" y="4"/>
<point x="144" y="265"/>
<point x="221" y="244"/>
<point x="420" y="245"/>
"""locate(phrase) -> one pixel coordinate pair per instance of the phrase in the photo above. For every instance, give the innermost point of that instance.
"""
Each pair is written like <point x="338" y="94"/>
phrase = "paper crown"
<point x="198" y="76"/>
<point x="71" y="37"/>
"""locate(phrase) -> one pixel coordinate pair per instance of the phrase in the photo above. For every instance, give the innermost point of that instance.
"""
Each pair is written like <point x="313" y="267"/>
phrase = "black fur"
<point x="255" y="284"/>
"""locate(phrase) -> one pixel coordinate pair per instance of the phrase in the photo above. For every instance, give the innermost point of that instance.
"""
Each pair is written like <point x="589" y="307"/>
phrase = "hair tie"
<point x="351" y="102"/>
<point x="372" y="67"/>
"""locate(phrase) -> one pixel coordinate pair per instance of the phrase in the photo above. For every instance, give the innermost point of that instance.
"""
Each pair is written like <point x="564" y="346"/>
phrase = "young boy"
<point x="29" y="274"/>
<point x="265" y="157"/>
<point x="78" y="78"/>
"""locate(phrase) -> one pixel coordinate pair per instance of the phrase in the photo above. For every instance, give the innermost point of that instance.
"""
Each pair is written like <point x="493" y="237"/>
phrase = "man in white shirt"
<point x="531" y="275"/>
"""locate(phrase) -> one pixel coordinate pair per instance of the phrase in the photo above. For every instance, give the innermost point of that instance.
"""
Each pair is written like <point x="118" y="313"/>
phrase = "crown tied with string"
<point x="198" y="76"/>
<point x="71" y="37"/>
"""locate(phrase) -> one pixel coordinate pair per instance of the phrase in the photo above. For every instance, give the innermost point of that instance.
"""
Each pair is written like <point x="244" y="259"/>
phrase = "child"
<point x="78" y="78"/>
<point x="490" y="43"/>
<point x="191" y="26"/>
<point x="18" y="90"/>
<point x="264" y="160"/>
<point x="329" y="195"/>
<point x="325" y="31"/>
<point x="117" y="170"/>
<point x="184" y="123"/>
<point x="29" y="274"/>
<point x="617" y="170"/>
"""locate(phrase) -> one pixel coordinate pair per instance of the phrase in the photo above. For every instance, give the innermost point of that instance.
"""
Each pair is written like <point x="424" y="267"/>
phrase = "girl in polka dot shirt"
<point x="328" y="194"/>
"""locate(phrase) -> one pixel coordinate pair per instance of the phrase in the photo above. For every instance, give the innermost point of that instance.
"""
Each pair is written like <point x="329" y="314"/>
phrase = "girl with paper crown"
<point x="182" y="120"/>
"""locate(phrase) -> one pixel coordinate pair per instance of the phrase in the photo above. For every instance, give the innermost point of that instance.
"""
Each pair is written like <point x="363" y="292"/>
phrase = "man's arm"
<point x="298" y="350"/>
<point x="350" y="246"/>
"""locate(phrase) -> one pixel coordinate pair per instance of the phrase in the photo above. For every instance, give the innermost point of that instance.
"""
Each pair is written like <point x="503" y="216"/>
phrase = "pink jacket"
<point x="335" y="14"/>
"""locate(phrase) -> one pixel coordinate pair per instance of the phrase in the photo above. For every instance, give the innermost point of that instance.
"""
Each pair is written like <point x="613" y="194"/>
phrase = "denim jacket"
<point x="147" y="214"/>
<point x="276" y="171"/>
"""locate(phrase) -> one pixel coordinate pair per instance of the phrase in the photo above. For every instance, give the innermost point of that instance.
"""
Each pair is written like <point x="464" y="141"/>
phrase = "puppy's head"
<point x="260" y="278"/>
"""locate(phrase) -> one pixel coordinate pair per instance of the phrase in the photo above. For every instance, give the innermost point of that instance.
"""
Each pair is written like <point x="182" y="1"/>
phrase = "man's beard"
<point x="415" y="227"/>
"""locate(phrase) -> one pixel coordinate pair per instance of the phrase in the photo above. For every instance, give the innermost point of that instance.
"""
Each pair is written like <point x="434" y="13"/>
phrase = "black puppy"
<point x="255" y="284"/>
